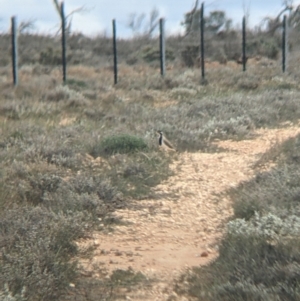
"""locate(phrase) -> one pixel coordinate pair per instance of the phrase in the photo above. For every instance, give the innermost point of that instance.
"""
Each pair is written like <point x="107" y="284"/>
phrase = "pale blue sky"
<point x="101" y="12"/>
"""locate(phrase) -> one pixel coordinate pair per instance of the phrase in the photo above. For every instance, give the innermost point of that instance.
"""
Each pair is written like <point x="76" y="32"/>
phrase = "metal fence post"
<point x="244" y="59"/>
<point x="63" y="41"/>
<point x="115" y="51"/>
<point x="14" y="52"/>
<point x="162" y="47"/>
<point x="202" y="41"/>
<point x="284" y="44"/>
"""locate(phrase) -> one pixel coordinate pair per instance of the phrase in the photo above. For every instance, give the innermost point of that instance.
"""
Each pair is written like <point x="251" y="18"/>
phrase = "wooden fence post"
<point x="244" y="58"/>
<point x="115" y="51"/>
<point x="14" y="52"/>
<point x="63" y="42"/>
<point x="202" y="42"/>
<point x="162" y="47"/>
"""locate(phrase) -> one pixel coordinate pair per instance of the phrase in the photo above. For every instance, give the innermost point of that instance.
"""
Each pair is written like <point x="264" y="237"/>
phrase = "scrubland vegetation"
<point x="72" y="154"/>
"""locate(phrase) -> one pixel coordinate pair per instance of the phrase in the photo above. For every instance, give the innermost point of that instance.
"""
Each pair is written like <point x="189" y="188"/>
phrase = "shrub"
<point x="64" y="93"/>
<point x="132" y="59"/>
<point x="150" y="54"/>
<point x="270" y="48"/>
<point x="276" y="192"/>
<point x="248" y="83"/>
<point x="50" y="57"/>
<point x="249" y="268"/>
<point x="122" y="144"/>
<point x="269" y="226"/>
<point x="127" y="277"/>
<point x="36" y="247"/>
<point x="80" y="193"/>
<point x="189" y="55"/>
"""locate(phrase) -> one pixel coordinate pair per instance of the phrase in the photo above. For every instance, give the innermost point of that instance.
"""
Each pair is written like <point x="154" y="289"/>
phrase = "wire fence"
<point x="194" y="49"/>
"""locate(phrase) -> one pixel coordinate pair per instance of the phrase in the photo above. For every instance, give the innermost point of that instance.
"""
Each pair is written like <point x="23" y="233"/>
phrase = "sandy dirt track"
<point x="182" y="227"/>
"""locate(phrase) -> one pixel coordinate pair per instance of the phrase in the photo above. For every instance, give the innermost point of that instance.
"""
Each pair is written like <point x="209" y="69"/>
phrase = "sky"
<point x="98" y="15"/>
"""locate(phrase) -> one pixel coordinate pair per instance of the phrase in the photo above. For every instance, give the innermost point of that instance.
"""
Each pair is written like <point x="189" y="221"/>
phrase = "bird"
<point x="164" y="142"/>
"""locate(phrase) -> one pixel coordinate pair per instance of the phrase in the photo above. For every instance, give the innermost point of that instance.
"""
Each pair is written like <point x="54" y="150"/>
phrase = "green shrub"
<point x="50" y="57"/>
<point x="122" y="144"/>
<point x="127" y="277"/>
<point x="189" y="55"/>
<point x="150" y="54"/>
<point x="76" y="84"/>
<point x="132" y="59"/>
<point x="270" y="48"/>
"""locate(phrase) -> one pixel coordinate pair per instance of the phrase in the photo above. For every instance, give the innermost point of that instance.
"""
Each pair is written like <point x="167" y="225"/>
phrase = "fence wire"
<point x="220" y="46"/>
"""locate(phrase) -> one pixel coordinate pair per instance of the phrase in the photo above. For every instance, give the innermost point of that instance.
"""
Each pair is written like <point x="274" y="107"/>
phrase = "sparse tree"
<point x="153" y="22"/>
<point x="137" y="22"/>
<point x="26" y="26"/>
<point x="216" y="21"/>
<point x="274" y="23"/>
<point x="69" y="17"/>
<point x="191" y="19"/>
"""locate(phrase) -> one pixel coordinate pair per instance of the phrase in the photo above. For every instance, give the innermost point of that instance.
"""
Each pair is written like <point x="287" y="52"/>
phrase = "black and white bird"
<point x="164" y="142"/>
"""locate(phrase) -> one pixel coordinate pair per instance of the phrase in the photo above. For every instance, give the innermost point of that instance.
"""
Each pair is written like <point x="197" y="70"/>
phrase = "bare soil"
<point x="182" y="227"/>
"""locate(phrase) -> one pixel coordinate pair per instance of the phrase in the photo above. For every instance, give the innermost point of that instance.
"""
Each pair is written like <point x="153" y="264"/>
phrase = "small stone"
<point x="204" y="254"/>
<point x="71" y="285"/>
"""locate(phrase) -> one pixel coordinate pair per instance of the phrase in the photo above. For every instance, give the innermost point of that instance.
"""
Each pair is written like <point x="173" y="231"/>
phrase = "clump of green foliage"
<point x="50" y="57"/>
<point x="127" y="277"/>
<point x="150" y="54"/>
<point x="118" y="144"/>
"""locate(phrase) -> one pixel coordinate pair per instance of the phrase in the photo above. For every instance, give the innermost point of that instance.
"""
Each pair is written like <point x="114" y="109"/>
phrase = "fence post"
<point x="244" y="59"/>
<point x="63" y="42"/>
<point x="202" y="41"/>
<point x="284" y="44"/>
<point x="162" y="47"/>
<point x="14" y="40"/>
<point x="115" y="51"/>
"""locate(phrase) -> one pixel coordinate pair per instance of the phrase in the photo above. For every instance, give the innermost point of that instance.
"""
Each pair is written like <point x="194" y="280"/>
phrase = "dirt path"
<point x="171" y="234"/>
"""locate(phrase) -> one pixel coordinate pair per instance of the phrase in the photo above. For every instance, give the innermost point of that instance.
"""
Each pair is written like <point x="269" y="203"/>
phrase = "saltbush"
<point x="36" y="246"/>
<point x="122" y="144"/>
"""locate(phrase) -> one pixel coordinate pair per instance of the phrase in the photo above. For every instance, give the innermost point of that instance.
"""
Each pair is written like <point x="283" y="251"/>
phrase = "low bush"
<point x="37" y="246"/>
<point x="250" y="267"/>
<point x="118" y="144"/>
